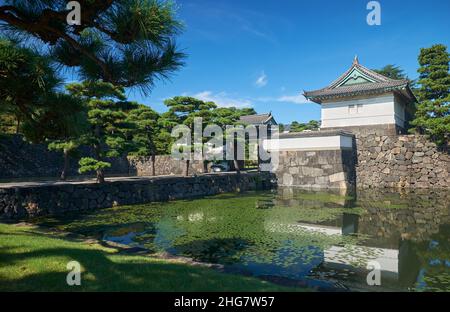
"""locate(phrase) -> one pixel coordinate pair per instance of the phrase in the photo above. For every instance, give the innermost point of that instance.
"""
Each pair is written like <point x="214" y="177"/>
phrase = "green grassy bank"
<point x="32" y="260"/>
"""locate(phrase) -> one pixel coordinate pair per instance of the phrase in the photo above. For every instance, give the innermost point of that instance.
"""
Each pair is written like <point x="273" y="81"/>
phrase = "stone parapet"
<point x="23" y="201"/>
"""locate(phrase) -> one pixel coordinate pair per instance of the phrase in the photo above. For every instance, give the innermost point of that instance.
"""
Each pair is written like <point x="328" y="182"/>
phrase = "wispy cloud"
<point x="223" y="99"/>
<point x="232" y="21"/>
<point x="262" y="80"/>
<point x="297" y="99"/>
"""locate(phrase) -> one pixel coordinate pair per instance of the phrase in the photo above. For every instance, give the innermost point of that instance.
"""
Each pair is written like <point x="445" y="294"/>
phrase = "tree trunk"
<point x="100" y="176"/>
<point x="153" y="165"/>
<point x="66" y="165"/>
<point x="100" y="172"/>
<point x="18" y="125"/>
<point x="235" y="158"/>
<point x="205" y="166"/>
<point x="236" y="166"/>
<point x="187" y="168"/>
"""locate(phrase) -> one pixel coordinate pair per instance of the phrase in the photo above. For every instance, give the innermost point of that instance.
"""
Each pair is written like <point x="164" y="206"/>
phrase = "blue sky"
<point x="263" y="54"/>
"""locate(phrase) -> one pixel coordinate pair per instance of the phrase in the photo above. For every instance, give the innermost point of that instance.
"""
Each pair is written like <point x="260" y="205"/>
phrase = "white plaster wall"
<point x="399" y="108"/>
<point x="359" y="112"/>
<point x="309" y="144"/>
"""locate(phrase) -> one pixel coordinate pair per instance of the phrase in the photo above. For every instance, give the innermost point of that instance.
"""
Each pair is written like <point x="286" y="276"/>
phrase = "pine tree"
<point x="392" y="71"/>
<point x="183" y="110"/>
<point x="146" y="136"/>
<point x="109" y="126"/>
<point x="129" y="43"/>
<point x="433" y="111"/>
<point x="67" y="142"/>
<point x="29" y="93"/>
<point x="230" y="116"/>
<point x="395" y="72"/>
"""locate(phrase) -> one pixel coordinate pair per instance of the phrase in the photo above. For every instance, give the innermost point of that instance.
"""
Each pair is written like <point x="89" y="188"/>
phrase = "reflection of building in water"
<point x="353" y="258"/>
<point x="394" y="225"/>
<point x="390" y="217"/>
<point x="397" y="265"/>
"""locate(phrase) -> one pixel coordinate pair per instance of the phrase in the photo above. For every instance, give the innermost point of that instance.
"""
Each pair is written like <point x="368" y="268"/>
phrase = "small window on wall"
<point x="359" y="108"/>
<point x="352" y="109"/>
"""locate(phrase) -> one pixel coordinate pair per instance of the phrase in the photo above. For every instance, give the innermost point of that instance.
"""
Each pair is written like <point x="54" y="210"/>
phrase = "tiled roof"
<point x="256" y="119"/>
<point x="374" y="83"/>
<point x="358" y="88"/>
<point x="316" y="133"/>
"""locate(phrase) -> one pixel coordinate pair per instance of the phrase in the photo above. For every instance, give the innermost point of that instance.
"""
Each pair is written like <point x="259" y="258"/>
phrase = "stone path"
<point x="91" y="181"/>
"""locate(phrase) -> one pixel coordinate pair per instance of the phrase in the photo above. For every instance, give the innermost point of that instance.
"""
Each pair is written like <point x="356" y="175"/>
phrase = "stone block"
<point x="287" y="179"/>
<point x="322" y="181"/>
<point x="337" y="177"/>
<point x="396" y="150"/>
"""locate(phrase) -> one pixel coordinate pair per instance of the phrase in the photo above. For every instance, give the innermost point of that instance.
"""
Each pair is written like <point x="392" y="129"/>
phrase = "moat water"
<point x="322" y="240"/>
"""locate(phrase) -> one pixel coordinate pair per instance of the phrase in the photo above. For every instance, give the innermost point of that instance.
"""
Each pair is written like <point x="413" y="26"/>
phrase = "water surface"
<point x="324" y="240"/>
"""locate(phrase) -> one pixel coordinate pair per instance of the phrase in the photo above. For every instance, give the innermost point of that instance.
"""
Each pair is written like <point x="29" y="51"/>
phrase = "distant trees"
<point x="433" y="111"/>
<point x="392" y="71"/>
<point x="299" y="127"/>
<point x="395" y="72"/>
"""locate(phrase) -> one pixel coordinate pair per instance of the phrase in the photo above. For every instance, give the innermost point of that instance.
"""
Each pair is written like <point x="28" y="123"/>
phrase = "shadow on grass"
<point x="36" y="262"/>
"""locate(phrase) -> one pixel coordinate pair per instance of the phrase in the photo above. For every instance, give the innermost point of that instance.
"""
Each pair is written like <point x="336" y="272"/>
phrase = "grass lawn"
<point x="32" y="260"/>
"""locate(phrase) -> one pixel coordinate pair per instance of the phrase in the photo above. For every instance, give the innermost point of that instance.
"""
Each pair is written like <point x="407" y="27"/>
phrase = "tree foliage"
<point x="395" y="72"/>
<point x="146" y="131"/>
<point x="299" y="127"/>
<point x="29" y="94"/>
<point x="89" y="164"/>
<point x="230" y="115"/>
<point x="125" y="42"/>
<point x="107" y="110"/>
<point x="433" y="111"/>
<point x="392" y="71"/>
<point x="182" y="111"/>
<point x="69" y="141"/>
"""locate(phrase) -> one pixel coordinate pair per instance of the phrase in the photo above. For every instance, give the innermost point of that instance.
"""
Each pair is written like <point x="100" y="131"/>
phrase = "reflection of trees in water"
<point x="289" y="228"/>
<point x="404" y="221"/>
<point x="392" y="216"/>
<point x="253" y="228"/>
<point x="434" y="258"/>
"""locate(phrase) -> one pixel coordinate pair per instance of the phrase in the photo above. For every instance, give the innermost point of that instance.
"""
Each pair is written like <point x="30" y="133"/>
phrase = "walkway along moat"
<point x="24" y="200"/>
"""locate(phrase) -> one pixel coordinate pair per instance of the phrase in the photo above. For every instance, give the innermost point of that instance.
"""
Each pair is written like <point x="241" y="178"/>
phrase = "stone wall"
<point x="164" y="165"/>
<point x="404" y="161"/>
<point x="317" y="169"/>
<point x="57" y="199"/>
<point x="385" y="129"/>
<point x="22" y="160"/>
<point x="19" y="160"/>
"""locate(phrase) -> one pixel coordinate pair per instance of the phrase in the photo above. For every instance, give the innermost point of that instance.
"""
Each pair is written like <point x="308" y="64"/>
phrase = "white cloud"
<point x="222" y="99"/>
<point x="262" y="80"/>
<point x="297" y="99"/>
